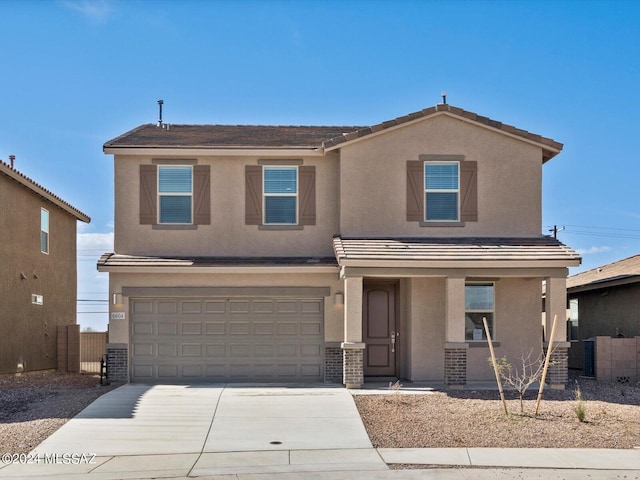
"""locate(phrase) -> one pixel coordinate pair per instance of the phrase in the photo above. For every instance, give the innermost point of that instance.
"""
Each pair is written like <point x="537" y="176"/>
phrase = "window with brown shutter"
<point x="256" y="194"/>
<point x="148" y="194"/>
<point x="202" y="195"/>
<point x="416" y="190"/>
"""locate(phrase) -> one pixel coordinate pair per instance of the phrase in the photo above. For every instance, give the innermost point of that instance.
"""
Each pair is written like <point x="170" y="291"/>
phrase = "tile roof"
<point x="619" y="270"/>
<point x="14" y="174"/>
<point x="453" y="249"/>
<point x="118" y="260"/>
<point x="254" y="136"/>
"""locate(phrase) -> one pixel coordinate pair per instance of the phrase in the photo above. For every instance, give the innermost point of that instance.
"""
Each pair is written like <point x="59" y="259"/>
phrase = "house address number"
<point x="118" y="316"/>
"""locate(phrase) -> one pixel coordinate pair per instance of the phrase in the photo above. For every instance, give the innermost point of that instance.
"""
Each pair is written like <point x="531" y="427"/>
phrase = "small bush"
<point x="580" y="407"/>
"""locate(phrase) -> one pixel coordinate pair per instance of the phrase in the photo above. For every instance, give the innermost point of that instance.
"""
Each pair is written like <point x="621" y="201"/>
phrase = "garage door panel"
<point x="215" y="306"/>
<point x="221" y="339"/>
<point x="167" y="350"/>
<point x="214" y="328"/>
<point x="143" y="328"/>
<point x="143" y="349"/>
<point x="191" y="328"/>
<point x="191" y="350"/>
<point x="238" y="306"/>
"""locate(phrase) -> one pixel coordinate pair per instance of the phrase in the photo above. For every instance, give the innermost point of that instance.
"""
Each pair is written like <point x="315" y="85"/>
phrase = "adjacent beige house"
<point x="37" y="274"/>
<point x="338" y="254"/>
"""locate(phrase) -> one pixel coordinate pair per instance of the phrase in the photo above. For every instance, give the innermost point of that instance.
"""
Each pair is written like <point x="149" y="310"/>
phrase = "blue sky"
<point x="77" y="73"/>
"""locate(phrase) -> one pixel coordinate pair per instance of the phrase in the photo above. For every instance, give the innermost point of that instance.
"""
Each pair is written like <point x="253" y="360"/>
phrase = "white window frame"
<point x="42" y="230"/>
<point x="484" y="310"/>
<point x="440" y="190"/>
<point x="174" y="194"/>
<point x="265" y="194"/>
<point x="37" y="299"/>
<point x="574" y="320"/>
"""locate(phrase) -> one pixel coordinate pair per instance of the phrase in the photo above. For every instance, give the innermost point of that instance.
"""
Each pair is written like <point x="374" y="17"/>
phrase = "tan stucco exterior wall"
<point x="374" y="180"/>
<point x="119" y="330"/>
<point x="227" y="235"/>
<point x="28" y="338"/>
<point x="517" y="326"/>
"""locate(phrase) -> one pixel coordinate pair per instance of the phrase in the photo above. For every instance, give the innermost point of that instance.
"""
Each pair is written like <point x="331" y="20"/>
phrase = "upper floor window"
<point x="280" y="195"/>
<point x="442" y="191"/>
<point x="479" y="303"/>
<point x="44" y="230"/>
<point x="175" y="194"/>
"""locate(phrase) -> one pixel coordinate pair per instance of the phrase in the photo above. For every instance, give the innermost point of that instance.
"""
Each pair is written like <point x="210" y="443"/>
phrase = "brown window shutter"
<point x="253" y="195"/>
<point x="307" y="194"/>
<point x="202" y="194"/>
<point x="469" y="191"/>
<point x="415" y="191"/>
<point x="148" y="194"/>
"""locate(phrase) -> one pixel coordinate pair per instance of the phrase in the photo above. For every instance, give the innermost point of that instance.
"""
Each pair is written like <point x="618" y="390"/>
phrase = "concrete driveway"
<point x="193" y="430"/>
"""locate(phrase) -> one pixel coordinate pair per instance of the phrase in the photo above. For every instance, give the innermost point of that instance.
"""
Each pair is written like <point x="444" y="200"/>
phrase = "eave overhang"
<point x="163" y="151"/>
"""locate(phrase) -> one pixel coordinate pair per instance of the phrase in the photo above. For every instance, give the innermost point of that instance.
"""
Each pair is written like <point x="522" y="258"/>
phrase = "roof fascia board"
<point x="227" y="269"/>
<point x="604" y="284"/>
<point x="226" y="151"/>
<point x="449" y="114"/>
<point x="13" y="174"/>
<point x="540" y="273"/>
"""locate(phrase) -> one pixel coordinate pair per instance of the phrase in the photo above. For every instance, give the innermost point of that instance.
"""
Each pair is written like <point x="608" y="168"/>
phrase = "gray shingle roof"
<point x="314" y="137"/>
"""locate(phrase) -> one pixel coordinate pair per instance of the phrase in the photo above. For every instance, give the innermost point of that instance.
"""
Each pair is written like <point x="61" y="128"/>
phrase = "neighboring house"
<point x="38" y="271"/>
<point x="603" y="301"/>
<point x="272" y="253"/>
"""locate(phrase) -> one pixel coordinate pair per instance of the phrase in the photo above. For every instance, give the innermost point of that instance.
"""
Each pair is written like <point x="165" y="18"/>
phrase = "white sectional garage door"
<point x="226" y="339"/>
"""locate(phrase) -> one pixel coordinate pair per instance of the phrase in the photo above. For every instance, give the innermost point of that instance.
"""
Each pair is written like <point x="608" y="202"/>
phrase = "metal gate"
<point x="92" y="346"/>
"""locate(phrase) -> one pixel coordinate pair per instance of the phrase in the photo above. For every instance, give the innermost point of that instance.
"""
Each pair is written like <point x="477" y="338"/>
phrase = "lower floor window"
<point x="479" y="300"/>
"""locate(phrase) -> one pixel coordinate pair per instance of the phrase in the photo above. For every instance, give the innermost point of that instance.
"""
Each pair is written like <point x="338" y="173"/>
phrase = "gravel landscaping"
<point x="461" y="418"/>
<point x="34" y="405"/>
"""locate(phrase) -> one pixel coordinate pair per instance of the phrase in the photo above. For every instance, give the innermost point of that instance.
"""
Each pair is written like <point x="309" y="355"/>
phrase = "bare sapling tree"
<point x="520" y="378"/>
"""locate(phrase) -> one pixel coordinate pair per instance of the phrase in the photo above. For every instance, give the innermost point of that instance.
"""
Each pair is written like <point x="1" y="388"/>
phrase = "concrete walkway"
<point x="253" y="432"/>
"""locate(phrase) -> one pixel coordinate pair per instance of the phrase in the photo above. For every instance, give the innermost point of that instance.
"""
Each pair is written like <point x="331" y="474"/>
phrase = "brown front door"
<point x="379" y="329"/>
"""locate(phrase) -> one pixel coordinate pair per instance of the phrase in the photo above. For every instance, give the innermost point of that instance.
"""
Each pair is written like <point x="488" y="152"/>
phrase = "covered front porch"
<point x="413" y="308"/>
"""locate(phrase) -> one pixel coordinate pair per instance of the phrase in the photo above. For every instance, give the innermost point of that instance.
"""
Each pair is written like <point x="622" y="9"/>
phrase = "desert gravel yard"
<point x="476" y="418"/>
<point x="34" y="405"/>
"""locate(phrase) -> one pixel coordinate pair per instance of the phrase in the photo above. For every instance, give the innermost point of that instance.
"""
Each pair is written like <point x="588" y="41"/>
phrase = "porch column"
<point x="556" y="304"/>
<point x="455" y="349"/>
<point x="352" y="347"/>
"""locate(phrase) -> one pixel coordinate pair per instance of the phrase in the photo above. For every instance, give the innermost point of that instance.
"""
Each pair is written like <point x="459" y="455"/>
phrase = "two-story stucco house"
<point x="279" y="253"/>
<point x="37" y="272"/>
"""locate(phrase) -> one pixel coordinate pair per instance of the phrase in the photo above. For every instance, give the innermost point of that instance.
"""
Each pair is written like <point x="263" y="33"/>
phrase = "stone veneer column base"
<point x="558" y="371"/>
<point x="455" y="364"/>
<point x="118" y="362"/>
<point x="333" y="368"/>
<point x="352" y="367"/>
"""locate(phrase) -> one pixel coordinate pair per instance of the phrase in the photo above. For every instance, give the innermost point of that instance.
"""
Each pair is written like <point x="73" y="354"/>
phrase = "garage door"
<point x="222" y="339"/>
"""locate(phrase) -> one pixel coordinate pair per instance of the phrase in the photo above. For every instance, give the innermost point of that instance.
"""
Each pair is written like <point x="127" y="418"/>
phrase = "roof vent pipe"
<point x="12" y="159"/>
<point x="444" y="98"/>
<point x="160" y="102"/>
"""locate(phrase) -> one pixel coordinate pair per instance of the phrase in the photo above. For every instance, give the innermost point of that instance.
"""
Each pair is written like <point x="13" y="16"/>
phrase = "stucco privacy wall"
<point x="30" y="338"/>
<point x="509" y="180"/>
<point x="119" y="330"/>
<point x="227" y="235"/>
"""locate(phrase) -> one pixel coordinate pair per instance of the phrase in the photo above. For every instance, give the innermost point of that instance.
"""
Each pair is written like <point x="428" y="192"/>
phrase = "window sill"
<point x="280" y="227"/>
<point x="481" y="344"/>
<point x="159" y="226"/>
<point x="441" y="224"/>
